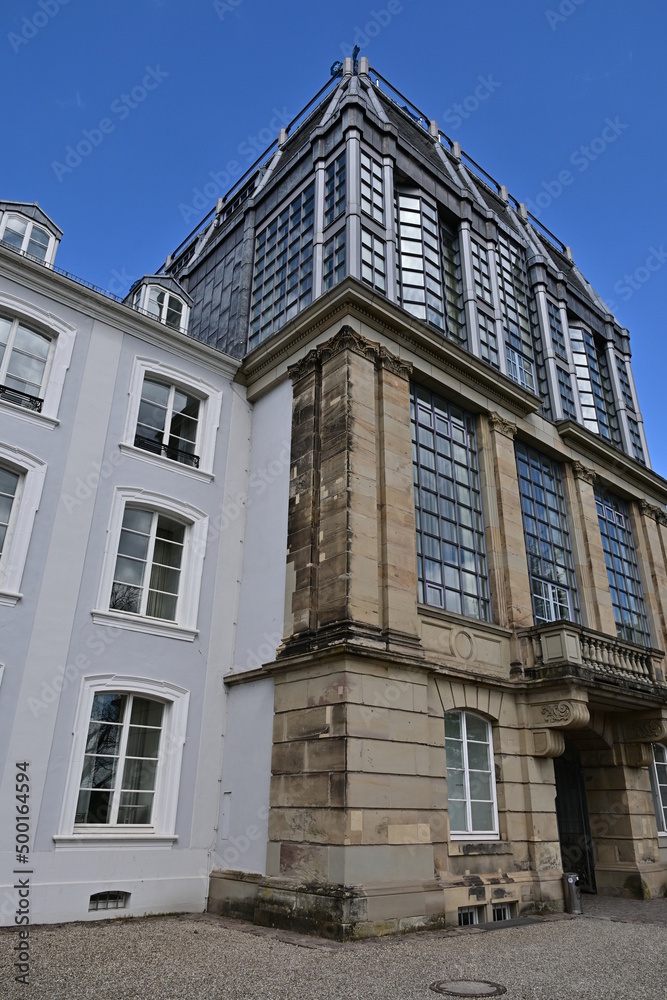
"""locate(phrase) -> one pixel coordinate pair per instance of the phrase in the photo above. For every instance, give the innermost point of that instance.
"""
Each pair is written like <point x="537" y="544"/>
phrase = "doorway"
<point x="574" y="831"/>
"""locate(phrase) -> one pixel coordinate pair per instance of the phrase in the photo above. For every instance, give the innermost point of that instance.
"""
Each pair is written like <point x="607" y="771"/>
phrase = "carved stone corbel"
<point x="657" y="514"/>
<point x="633" y="754"/>
<point x="385" y="359"/>
<point x="646" y="730"/>
<point x="502" y="426"/>
<point x="580" y="471"/>
<point x="548" y="743"/>
<point x="561" y="715"/>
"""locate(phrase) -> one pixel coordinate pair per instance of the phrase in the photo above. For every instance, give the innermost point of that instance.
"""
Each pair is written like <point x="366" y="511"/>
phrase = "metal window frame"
<point x="607" y="505"/>
<point x="424" y="400"/>
<point x="545" y="527"/>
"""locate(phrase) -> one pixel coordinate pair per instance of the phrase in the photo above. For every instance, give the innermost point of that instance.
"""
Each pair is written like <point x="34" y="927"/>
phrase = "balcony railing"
<point x="21" y="398"/>
<point x="567" y="649"/>
<point x="175" y="454"/>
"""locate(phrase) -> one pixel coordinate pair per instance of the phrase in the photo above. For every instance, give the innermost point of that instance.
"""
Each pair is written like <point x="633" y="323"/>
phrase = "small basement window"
<point x="109" y="900"/>
<point x="469" y="915"/>
<point x="502" y="911"/>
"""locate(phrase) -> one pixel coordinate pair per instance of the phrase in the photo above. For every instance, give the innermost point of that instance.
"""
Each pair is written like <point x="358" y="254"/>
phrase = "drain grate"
<point x="468" y="988"/>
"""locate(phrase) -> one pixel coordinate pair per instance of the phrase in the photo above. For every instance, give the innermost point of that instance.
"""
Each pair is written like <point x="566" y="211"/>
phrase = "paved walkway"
<point x="616" y="951"/>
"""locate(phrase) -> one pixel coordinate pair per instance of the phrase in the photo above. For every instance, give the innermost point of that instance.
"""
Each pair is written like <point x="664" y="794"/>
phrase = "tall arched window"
<point x="471" y="786"/>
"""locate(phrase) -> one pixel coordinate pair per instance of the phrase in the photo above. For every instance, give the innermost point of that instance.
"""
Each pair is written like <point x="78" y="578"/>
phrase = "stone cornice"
<point x="351" y="298"/>
<point x="613" y="461"/>
<point x="95" y="305"/>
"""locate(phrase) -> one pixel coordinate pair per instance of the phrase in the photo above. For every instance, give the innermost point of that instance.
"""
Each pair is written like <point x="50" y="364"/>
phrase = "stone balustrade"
<point x="557" y="646"/>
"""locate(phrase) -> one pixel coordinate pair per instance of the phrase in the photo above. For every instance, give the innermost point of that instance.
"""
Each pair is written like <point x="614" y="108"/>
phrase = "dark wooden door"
<point x="574" y="830"/>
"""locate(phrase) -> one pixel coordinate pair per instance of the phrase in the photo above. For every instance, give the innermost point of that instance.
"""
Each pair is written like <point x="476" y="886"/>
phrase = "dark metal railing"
<point x="168" y="450"/>
<point x="23" y="399"/>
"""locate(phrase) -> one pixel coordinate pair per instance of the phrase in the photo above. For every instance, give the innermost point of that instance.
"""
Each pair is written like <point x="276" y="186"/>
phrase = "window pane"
<point x="103" y="738"/>
<point x="146" y="713"/>
<point x="457" y="816"/>
<point x="139" y="774"/>
<point x="14" y="232"/>
<point x="482" y="817"/>
<point x="93" y="807"/>
<point x="108" y="707"/>
<point x="135" y="807"/>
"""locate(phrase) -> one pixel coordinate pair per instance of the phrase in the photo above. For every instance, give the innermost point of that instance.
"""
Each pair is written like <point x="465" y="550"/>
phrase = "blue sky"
<point x="561" y="100"/>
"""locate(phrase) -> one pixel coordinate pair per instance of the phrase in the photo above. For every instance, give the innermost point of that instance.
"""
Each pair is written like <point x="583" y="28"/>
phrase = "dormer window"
<point x="162" y="304"/>
<point x="26" y="236"/>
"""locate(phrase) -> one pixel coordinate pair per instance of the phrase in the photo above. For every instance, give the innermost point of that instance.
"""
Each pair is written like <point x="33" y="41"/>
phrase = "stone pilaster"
<point x="505" y="545"/>
<point x="594" y="595"/>
<point x="351" y="565"/>
<point x="649" y="525"/>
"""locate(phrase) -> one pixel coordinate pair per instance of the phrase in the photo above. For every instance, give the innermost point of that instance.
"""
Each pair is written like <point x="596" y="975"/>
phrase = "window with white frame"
<point x="148" y="567"/>
<point x="162" y="304"/>
<point x="471" y="787"/>
<point x="9" y="482"/>
<point x="153" y="566"/>
<point x="659" y="785"/>
<point x="126" y="760"/>
<point x="167" y="423"/>
<point x="21" y="482"/>
<point x="172" y="418"/>
<point x="27" y="236"/>
<point x="118" y="777"/>
<point x="24" y="356"/>
<point x="35" y="352"/>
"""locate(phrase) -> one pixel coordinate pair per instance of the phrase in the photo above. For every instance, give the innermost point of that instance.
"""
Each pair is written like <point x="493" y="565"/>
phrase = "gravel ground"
<point x="611" y="953"/>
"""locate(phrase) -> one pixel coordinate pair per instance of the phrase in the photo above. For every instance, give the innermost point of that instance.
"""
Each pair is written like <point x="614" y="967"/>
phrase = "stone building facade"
<point x="437" y="596"/>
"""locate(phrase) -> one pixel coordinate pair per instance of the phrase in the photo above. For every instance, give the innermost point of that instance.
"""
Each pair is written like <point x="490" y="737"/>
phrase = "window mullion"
<point x="149" y="564"/>
<point x="9" y="347"/>
<point x="466" y="772"/>
<point x="124" y="733"/>
<point x="168" y="415"/>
